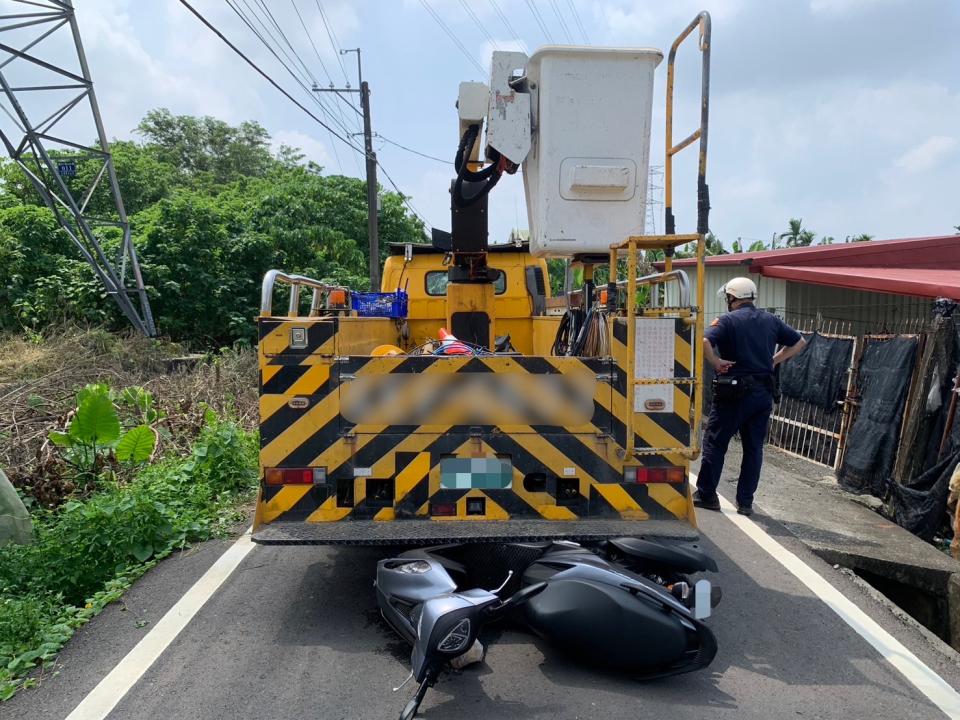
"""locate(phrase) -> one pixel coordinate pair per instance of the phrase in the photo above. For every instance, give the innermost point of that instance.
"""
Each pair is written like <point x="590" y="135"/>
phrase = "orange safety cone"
<point x="449" y="345"/>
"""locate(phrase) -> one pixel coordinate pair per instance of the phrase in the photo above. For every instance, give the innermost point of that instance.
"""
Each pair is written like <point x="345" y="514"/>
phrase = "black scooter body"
<point x="606" y="615"/>
<point x="609" y="606"/>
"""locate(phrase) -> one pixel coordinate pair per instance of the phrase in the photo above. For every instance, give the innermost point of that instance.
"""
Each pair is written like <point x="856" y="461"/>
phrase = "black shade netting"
<point x="883" y="381"/>
<point x="818" y="375"/>
<point x="920" y="506"/>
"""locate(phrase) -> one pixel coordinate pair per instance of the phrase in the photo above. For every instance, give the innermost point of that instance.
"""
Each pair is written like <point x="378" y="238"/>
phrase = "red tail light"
<point x="295" y="476"/>
<point x="646" y="475"/>
<point x="443" y="509"/>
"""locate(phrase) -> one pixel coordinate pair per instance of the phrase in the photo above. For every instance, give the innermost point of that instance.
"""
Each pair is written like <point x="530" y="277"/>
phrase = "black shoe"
<point x="711" y="503"/>
<point x="745" y="510"/>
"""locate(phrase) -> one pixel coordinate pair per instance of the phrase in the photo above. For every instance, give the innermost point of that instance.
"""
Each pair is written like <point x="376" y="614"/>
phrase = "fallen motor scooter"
<point x="628" y="604"/>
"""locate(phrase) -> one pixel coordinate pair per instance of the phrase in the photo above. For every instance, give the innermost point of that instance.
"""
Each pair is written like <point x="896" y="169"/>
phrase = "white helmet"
<point x="740" y="288"/>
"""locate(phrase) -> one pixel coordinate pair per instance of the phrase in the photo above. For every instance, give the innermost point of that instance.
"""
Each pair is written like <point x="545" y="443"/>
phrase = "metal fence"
<point x="808" y="430"/>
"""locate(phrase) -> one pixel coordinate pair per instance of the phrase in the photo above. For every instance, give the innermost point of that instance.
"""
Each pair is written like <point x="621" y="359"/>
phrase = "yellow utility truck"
<point x="463" y="403"/>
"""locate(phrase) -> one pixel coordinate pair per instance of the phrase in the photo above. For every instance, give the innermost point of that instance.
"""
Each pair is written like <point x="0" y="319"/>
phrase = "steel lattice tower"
<point x="41" y="95"/>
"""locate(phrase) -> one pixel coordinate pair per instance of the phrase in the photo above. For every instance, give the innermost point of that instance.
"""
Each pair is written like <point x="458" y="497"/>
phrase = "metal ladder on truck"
<point x="641" y="322"/>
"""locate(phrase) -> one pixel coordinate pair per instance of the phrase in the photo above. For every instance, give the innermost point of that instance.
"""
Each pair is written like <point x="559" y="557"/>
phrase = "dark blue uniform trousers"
<point x="749" y="416"/>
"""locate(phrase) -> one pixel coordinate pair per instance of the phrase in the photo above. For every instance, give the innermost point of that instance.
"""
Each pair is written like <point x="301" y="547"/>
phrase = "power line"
<point x="415" y="152"/>
<point x="480" y="25"/>
<point x="576" y="17"/>
<point x="326" y="72"/>
<point x="235" y="6"/>
<point x="450" y="34"/>
<point x="539" y="19"/>
<point x="403" y="197"/>
<point x="283" y="35"/>
<point x="347" y="131"/>
<point x="563" y="24"/>
<point x="306" y="32"/>
<point x="266" y="77"/>
<point x="333" y="43"/>
<point x="296" y="102"/>
<point x="506" y="23"/>
<point x="337" y="52"/>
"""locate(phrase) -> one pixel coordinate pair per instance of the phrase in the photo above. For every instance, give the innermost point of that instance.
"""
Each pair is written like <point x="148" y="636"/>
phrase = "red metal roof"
<point x="925" y="267"/>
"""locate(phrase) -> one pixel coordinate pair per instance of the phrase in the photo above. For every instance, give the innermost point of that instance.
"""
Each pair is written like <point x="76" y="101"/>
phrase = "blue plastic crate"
<point x="369" y="304"/>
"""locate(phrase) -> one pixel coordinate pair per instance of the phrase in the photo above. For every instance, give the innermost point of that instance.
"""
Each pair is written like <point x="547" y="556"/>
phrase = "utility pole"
<point x="373" y="230"/>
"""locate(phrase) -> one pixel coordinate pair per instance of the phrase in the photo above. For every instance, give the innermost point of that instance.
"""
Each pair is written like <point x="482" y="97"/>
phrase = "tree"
<point x="713" y="246"/>
<point x="206" y="149"/>
<point x="797" y="235"/>
<point x="757" y="246"/>
<point x="211" y="211"/>
<point x="862" y="237"/>
<point x="826" y="240"/>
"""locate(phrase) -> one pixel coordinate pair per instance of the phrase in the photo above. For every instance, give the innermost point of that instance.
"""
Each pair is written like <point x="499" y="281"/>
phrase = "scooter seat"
<point x="681" y="558"/>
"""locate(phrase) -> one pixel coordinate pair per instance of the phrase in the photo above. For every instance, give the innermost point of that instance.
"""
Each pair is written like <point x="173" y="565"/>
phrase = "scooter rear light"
<point x="294" y="476"/>
<point x="443" y="509"/>
<point x="645" y="475"/>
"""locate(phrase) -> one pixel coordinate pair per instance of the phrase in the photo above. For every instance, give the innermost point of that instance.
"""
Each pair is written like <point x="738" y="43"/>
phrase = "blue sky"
<point x="842" y="112"/>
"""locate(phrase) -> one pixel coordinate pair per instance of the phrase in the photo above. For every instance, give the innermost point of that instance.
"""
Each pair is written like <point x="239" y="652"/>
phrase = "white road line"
<point x="919" y="675"/>
<point x="104" y="697"/>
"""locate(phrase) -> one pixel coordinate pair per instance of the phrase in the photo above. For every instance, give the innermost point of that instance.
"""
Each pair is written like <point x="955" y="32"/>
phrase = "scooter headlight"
<point x="417" y="567"/>
<point x="457" y="638"/>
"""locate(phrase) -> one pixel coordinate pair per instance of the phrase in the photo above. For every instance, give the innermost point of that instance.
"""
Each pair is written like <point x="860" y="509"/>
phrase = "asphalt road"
<point x="294" y="633"/>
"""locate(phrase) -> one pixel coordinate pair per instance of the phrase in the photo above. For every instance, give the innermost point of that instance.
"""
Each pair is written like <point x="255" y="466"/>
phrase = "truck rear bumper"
<point x="418" y="532"/>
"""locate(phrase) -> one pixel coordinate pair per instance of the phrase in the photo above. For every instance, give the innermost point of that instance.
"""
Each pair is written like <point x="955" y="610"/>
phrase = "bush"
<point x="86" y="553"/>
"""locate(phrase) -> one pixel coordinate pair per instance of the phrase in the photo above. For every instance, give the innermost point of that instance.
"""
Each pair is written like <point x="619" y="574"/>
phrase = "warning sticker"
<point x="654" y="359"/>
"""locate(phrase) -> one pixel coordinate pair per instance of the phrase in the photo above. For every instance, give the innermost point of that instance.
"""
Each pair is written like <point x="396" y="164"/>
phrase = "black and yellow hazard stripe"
<point x="301" y="426"/>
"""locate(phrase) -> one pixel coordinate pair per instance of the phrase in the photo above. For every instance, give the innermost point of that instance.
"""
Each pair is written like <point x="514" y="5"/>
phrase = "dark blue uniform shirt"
<point x="749" y="337"/>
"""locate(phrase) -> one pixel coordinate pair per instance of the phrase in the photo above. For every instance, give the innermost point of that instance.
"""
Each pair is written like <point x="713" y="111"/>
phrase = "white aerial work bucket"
<point x="586" y="175"/>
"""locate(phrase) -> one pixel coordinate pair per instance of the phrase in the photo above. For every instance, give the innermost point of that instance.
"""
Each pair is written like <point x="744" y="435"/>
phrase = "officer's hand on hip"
<point x="721" y="366"/>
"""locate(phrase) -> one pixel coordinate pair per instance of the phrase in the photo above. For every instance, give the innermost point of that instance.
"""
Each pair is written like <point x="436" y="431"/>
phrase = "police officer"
<point x="740" y="346"/>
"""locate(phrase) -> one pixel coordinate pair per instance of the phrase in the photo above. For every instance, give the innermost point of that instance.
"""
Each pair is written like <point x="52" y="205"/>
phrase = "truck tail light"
<point x="443" y="509"/>
<point x="646" y="475"/>
<point x="295" y="476"/>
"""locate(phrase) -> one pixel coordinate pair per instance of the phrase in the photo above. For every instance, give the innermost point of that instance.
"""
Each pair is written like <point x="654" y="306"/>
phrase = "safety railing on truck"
<point x="295" y="282"/>
<point x="691" y="312"/>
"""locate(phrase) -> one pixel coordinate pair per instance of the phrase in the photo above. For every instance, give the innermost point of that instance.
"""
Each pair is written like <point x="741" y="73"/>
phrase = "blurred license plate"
<point x="480" y="473"/>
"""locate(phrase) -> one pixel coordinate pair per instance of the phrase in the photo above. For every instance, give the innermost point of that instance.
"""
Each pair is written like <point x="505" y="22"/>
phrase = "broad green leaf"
<point x="136" y="445"/>
<point x="92" y="389"/>
<point x="142" y="551"/>
<point x="96" y="421"/>
<point x="61" y="439"/>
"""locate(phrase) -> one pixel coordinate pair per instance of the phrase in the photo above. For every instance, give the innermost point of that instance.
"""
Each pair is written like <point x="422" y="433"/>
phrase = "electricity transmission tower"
<point x="49" y="103"/>
<point x="654" y="198"/>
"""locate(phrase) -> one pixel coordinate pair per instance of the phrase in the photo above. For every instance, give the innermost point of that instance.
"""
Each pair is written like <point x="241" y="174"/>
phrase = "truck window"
<point x="436" y="283"/>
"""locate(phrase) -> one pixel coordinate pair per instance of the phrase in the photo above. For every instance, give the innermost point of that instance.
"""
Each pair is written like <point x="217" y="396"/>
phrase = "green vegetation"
<point x="89" y="550"/>
<point x="211" y="210"/>
<point x="120" y="460"/>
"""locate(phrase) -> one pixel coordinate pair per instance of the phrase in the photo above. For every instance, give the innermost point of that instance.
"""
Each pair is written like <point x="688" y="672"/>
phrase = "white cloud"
<point x="629" y="21"/>
<point x="487" y="48"/>
<point x="312" y="148"/>
<point x="928" y="154"/>
<point x="842" y="7"/>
